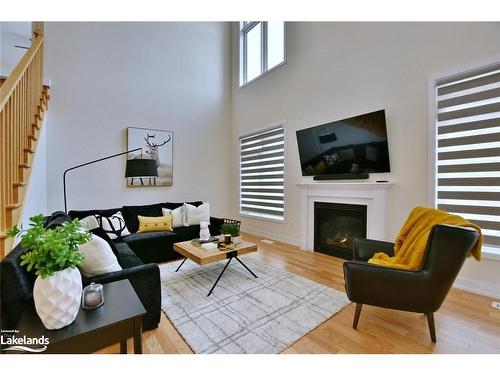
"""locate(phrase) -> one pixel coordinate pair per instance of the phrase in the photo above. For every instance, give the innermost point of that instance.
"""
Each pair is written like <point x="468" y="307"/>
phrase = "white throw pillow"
<point x="195" y="215"/>
<point x="178" y="216"/>
<point x="114" y="225"/>
<point x="89" y="223"/>
<point x="99" y="257"/>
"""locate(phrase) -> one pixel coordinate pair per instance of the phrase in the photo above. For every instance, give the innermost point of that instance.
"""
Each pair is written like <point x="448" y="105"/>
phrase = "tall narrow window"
<point x="262" y="47"/>
<point x="262" y="176"/>
<point x="467" y="173"/>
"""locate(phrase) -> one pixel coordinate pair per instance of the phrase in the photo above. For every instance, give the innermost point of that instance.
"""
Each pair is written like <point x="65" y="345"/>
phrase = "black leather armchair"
<point x="420" y="291"/>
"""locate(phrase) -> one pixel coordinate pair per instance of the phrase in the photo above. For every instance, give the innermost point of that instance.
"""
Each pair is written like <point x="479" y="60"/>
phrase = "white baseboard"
<point x="478" y="287"/>
<point x="273" y="236"/>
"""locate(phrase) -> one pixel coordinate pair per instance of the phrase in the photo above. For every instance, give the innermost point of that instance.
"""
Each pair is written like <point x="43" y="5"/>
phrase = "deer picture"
<point x="154" y="145"/>
<point x="153" y="148"/>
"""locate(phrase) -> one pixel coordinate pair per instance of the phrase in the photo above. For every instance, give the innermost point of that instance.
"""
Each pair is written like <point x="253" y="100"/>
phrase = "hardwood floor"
<point x="465" y="323"/>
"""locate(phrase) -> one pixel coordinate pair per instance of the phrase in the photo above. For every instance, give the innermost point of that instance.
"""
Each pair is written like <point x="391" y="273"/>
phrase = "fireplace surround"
<point x="369" y="194"/>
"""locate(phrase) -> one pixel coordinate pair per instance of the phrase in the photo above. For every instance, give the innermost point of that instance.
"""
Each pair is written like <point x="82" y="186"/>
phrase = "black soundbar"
<point x="342" y="176"/>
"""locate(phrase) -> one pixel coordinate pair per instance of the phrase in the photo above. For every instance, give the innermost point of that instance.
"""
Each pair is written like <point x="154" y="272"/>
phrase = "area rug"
<point x="244" y="314"/>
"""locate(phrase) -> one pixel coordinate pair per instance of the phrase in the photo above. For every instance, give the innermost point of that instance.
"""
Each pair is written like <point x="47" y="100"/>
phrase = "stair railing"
<point x="23" y="101"/>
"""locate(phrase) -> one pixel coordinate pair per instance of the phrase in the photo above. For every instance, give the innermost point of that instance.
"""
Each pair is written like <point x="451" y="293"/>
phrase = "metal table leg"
<point x="244" y="265"/>
<point x="216" y="281"/>
<point x="180" y="265"/>
<point x="230" y="256"/>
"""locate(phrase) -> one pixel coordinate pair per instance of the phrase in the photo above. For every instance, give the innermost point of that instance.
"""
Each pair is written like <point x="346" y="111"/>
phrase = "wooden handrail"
<point x="13" y="79"/>
<point x="23" y="102"/>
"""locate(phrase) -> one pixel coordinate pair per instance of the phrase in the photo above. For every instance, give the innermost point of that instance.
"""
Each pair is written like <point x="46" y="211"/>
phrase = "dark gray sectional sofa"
<point x="152" y="247"/>
<point x="137" y="254"/>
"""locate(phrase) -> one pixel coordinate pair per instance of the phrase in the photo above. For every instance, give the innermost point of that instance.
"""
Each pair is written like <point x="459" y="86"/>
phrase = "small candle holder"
<point x="92" y="296"/>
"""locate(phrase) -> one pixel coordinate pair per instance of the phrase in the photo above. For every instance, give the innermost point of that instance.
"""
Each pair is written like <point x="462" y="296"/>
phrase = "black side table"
<point x="117" y="320"/>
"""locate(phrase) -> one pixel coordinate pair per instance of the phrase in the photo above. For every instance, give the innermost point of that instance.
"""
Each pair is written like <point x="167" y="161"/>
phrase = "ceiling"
<point x="22" y="29"/>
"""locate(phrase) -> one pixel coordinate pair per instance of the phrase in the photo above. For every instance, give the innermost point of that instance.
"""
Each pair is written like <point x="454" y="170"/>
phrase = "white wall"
<point x="12" y="34"/>
<point x="108" y="76"/>
<point x="480" y="277"/>
<point x="175" y="76"/>
<point x="338" y="70"/>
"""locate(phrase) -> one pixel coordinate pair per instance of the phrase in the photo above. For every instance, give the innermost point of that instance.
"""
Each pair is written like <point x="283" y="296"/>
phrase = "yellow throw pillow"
<point x="154" y="224"/>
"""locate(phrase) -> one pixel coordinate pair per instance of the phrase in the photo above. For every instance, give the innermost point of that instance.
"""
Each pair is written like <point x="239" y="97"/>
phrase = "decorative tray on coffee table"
<point x="200" y="242"/>
<point x="224" y="246"/>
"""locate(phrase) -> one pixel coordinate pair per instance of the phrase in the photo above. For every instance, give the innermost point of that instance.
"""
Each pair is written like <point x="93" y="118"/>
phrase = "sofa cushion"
<point x="155" y="224"/>
<point x="193" y="231"/>
<point x="99" y="259"/>
<point x="128" y="259"/>
<point x="152" y="246"/>
<point x="130" y="214"/>
<point x="173" y="205"/>
<point x="187" y="233"/>
<point x="56" y="219"/>
<point x="80" y="214"/>
<point x="215" y="226"/>
<point x="178" y="215"/>
<point x="195" y="215"/>
<point x="151" y="236"/>
<point x="16" y="281"/>
<point x="113" y="225"/>
<point x="101" y="233"/>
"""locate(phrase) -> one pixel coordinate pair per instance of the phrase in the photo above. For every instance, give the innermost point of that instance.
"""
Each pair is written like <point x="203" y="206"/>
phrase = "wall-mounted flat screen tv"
<point x="353" y="145"/>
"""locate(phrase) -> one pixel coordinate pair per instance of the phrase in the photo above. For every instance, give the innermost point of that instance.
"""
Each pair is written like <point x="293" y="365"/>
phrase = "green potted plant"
<point x="233" y="230"/>
<point x="54" y="255"/>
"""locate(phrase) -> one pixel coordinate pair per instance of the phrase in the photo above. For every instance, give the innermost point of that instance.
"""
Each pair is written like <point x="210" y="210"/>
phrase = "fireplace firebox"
<point x="336" y="225"/>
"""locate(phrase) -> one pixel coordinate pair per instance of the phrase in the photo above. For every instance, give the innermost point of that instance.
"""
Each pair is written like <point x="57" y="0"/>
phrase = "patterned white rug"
<point x="244" y="314"/>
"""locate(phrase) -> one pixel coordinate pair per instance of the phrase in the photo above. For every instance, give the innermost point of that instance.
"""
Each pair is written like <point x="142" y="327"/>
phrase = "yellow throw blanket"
<point x="409" y="248"/>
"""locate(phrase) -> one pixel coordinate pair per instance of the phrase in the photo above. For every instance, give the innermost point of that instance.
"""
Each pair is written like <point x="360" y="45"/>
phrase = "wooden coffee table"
<point x="202" y="257"/>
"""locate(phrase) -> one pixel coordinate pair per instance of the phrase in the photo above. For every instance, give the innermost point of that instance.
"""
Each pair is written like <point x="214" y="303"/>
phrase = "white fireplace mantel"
<point x="370" y="194"/>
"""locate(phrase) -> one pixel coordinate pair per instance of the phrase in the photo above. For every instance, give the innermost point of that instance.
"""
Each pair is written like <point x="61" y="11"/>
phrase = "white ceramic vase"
<point x="58" y="297"/>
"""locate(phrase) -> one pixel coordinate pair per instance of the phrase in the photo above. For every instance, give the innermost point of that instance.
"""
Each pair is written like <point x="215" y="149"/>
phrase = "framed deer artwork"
<point x="157" y="145"/>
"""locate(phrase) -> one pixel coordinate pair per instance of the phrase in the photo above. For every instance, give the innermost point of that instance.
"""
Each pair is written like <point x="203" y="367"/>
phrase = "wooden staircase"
<point x="23" y="103"/>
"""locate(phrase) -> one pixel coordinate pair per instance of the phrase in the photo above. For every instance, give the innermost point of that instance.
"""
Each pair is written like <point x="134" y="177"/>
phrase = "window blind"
<point x="468" y="148"/>
<point x="262" y="173"/>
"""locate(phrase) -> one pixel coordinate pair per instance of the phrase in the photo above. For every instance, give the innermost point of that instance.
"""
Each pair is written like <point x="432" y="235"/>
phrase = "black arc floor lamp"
<point x="134" y="168"/>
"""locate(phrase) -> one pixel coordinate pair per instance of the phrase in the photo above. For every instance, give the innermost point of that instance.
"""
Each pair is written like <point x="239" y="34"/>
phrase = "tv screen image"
<point x="353" y="145"/>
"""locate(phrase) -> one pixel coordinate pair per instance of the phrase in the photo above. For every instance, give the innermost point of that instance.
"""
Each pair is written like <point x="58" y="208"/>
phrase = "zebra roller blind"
<point x="468" y="148"/>
<point x="262" y="173"/>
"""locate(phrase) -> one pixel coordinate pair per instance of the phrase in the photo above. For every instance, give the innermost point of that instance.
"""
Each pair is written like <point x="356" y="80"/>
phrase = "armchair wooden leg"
<point x="356" y="315"/>
<point x="432" y="328"/>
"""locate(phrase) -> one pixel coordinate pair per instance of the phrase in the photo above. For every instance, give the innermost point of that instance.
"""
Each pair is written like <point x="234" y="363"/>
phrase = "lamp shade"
<point x="141" y="168"/>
